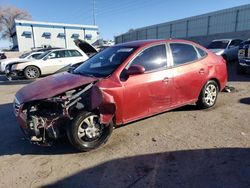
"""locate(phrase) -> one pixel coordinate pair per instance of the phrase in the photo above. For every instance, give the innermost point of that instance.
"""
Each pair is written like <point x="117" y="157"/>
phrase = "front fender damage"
<point x="47" y="119"/>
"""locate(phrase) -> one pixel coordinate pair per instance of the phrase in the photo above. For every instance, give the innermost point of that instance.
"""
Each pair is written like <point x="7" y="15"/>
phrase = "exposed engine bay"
<point x="47" y="119"/>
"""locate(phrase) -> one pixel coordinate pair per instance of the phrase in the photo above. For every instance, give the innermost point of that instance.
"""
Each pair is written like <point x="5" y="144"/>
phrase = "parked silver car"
<point x="227" y="48"/>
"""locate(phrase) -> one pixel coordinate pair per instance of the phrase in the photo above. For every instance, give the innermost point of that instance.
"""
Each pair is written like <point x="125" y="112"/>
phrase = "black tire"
<point x="78" y="128"/>
<point x="225" y="58"/>
<point x="240" y="69"/>
<point x="208" y="95"/>
<point x="31" y="72"/>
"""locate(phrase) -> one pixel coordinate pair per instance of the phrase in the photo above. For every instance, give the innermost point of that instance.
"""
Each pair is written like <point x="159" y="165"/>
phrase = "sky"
<point x="116" y="17"/>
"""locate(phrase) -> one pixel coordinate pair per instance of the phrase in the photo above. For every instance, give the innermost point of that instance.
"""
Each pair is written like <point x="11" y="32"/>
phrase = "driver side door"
<point x="150" y="92"/>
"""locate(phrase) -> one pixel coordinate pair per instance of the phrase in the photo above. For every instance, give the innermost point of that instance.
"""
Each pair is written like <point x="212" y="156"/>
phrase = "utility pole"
<point x="94" y="15"/>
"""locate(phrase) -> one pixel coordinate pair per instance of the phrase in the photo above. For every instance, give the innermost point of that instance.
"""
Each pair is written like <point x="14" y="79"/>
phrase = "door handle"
<point x="201" y="71"/>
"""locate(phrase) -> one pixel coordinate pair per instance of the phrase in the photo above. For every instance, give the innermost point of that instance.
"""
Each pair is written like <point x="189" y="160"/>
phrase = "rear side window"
<point x="201" y="52"/>
<point x="152" y="58"/>
<point x="183" y="53"/>
<point x="73" y="53"/>
<point x="235" y="42"/>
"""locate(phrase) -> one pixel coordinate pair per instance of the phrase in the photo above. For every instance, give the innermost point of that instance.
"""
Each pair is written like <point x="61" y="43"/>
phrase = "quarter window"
<point x="74" y="53"/>
<point x="183" y="53"/>
<point x="152" y="58"/>
<point x="201" y="52"/>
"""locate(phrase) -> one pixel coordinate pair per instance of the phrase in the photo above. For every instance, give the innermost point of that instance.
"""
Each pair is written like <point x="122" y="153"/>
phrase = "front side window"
<point x="152" y="58"/>
<point x="183" y="53"/>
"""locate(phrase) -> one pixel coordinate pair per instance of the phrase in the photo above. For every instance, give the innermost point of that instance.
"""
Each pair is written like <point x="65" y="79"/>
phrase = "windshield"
<point x="24" y="55"/>
<point x="218" y="44"/>
<point x="105" y="62"/>
<point x="43" y="55"/>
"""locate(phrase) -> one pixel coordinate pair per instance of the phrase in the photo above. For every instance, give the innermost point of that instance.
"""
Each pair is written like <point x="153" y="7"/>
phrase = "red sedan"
<point x="121" y="84"/>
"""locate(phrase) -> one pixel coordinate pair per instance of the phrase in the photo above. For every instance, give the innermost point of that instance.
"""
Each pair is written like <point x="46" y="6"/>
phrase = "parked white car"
<point x="48" y="63"/>
<point x="227" y="48"/>
<point x="24" y="57"/>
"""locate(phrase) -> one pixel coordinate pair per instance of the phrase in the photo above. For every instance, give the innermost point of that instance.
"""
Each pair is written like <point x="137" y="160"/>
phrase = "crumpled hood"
<point x="51" y="86"/>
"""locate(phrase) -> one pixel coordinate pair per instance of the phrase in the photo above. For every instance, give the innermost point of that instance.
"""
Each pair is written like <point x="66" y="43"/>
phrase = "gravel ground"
<point x="186" y="147"/>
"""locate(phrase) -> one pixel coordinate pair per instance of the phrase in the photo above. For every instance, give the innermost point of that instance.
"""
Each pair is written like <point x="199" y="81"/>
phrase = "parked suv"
<point x="243" y="57"/>
<point x="227" y="48"/>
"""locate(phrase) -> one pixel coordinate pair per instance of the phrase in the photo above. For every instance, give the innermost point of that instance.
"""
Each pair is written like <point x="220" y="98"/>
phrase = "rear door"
<point x="189" y="71"/>
<point x="150" y="92"/>
<point x="74" y="56"/>
<point x="54" y="62"/>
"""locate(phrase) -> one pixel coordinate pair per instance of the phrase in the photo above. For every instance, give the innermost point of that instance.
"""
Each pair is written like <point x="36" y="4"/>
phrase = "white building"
<point x="31" y="34"/>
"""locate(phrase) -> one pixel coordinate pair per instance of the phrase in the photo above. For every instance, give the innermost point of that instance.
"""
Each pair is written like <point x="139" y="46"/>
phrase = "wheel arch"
<point x="33" y="66"/>
<point x="217" y="81"/>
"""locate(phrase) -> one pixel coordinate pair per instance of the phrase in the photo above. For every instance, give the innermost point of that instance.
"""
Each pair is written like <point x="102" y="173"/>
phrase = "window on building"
<point x="183" y="53"/>
<point x="46" y="35"/>
<point x="27" y="34"/>
<point x="61" y="35"/>
<point x="88" y="36"/>
<point x="75" y="35"/>
<point x="152" y="58"/>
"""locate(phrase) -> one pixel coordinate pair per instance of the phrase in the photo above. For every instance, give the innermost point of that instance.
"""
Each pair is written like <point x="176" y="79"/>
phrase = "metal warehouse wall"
<point x="233" y="22"/>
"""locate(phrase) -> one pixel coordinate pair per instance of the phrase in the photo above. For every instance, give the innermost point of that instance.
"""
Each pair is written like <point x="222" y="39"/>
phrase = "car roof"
<point x="141" y="43"/>
<point x="224" y="40"/>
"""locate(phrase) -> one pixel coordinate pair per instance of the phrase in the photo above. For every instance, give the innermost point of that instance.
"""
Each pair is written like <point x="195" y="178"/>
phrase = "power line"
<point x="94" y="15"/>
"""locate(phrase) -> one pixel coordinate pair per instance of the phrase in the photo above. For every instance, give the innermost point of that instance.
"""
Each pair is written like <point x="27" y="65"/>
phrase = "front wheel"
<point x="86" y="132"/>
<point x="31" y="72"/>
<point x="208" y="95"/>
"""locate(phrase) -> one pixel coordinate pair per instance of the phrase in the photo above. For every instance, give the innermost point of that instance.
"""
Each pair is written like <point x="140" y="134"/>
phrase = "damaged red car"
<point x="121" y="84"/>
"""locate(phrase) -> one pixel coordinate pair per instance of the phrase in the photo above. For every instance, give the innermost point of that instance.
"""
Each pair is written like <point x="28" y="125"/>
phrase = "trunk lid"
<point x="85" y="47"/>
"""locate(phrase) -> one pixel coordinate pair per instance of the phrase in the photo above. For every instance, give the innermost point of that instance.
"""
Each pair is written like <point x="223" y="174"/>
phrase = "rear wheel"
<point x="208" y="95"/>
<point x="31" y="72"/>
<point x="86" y="132"/>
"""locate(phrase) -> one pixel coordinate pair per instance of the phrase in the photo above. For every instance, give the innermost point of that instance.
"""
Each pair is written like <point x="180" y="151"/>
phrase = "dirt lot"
<point x="182" y="148"/>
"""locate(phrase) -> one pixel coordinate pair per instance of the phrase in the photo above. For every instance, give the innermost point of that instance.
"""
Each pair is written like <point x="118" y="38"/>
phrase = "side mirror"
<point x="135" y="69"/>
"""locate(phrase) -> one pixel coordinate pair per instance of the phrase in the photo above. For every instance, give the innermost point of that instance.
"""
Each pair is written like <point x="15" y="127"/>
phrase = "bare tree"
<point x="8" y="14"/>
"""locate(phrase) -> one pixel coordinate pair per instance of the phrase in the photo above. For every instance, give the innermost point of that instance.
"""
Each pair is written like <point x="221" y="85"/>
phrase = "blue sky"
<point x="116" y="17"/>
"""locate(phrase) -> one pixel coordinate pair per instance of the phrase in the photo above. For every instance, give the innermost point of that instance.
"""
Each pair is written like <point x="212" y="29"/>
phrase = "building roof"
<point x="51" y="24"/>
